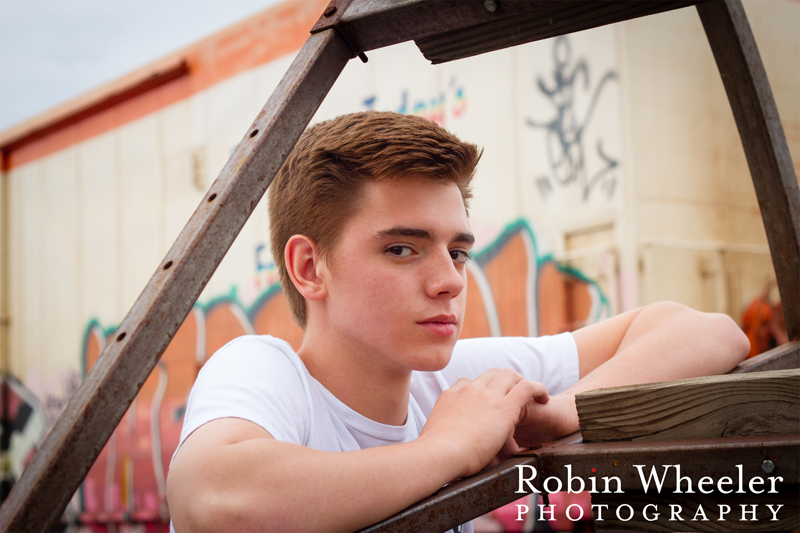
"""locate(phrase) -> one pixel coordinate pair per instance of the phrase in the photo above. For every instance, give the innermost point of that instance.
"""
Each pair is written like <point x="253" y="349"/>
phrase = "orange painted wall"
<point x="258" y="40"/>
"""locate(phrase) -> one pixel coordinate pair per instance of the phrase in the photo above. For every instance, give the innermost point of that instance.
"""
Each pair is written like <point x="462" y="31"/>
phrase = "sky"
<point x="54" y="50"/>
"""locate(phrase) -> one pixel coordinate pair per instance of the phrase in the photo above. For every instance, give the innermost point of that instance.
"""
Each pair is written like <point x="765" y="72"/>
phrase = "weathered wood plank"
<point x="760" y="403"/>
<point x="42" y="492"/>
<point x="764" y="142"/>
<point x="783" y="357"/>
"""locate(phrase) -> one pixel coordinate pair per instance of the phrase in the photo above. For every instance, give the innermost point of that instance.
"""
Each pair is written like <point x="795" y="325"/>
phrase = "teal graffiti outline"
<point x="483" y="257"/>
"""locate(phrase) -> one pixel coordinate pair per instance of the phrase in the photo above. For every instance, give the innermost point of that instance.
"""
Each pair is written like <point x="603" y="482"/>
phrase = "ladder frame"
<point x="444" y="30"/>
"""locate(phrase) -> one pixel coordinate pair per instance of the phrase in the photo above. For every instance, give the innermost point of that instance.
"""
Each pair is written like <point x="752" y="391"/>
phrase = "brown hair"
<point x="317" y="188"/>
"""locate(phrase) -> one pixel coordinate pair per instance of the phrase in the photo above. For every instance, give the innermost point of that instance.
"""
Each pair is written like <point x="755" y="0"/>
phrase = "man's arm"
<point x="230" y="474"/>
<point x="659" y="342"/>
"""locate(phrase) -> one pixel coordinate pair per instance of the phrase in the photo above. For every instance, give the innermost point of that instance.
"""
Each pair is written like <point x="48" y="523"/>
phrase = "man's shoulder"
<point x="255" y="378"/>
<point x="252" y="360"/>
<point x="253" y="348"/>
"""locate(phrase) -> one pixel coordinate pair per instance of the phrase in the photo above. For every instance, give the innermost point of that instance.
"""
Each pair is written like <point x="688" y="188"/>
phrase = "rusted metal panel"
<point x="39" y="497"/>
<point x="764" y="142"/>
<point x="783" y="357"/>
<point x="547" y="20"/>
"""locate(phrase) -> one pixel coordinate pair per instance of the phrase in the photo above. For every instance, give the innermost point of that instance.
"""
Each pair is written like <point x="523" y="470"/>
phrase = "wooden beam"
<point x="436" y="26"/>
<point x="783" y="357"/>
<point x="42" y="492"/>
<point x="547" y="20"/>
<point x="759" y="403"/>
<point x="764" y="142"/>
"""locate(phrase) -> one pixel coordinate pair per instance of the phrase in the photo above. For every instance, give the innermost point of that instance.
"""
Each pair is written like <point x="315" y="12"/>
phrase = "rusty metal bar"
<point x="41" y="494"/>
<point x="459" y="502"/>
<point x="463" y="500"/>
<point x="764" y="142"/>
<point x="371" y="24"/>
<point x="496" y="486"/>
<point x="783" y="357"/>
<point x="545" y="21"/>
<point x="697" y="458"/>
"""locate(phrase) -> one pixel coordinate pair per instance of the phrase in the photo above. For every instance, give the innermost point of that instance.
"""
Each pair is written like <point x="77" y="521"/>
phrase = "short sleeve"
<point x="552" y="360"/>
<point x="256" y="379"/>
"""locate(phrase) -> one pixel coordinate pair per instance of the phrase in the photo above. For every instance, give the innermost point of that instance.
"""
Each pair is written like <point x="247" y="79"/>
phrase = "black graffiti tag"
<point x="565" y="142"/>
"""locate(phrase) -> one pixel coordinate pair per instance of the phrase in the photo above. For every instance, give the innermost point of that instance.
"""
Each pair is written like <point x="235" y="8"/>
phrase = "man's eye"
<point x="460" y="256"/>
<point x="399" y="251"/>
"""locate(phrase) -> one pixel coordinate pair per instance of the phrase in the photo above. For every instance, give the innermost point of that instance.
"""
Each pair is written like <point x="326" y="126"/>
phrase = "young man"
<point x="381" y="406"/>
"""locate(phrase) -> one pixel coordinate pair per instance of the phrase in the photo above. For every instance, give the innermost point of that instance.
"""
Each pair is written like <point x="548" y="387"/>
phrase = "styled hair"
<point x="319" y="186"/>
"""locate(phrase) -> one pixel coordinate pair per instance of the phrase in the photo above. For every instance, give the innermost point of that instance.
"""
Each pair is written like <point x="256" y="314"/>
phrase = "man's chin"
<point x="436" y="361"/>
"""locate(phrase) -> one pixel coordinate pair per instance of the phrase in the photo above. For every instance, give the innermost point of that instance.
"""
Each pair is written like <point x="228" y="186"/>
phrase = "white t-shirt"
<point x="261" y="379"/>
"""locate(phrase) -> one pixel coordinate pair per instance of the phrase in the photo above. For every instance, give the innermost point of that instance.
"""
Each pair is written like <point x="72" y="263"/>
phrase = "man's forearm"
<point x="665" y="342"/>
<point x="267" y="485"/>
<point x="230" y="474"/>
<point x="660" y="342"/>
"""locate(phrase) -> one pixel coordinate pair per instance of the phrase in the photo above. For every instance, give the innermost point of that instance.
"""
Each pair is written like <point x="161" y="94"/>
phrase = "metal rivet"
<point x="768" y="466"/>
<point x="490" y="5"/>
<point x="329" y="11"/>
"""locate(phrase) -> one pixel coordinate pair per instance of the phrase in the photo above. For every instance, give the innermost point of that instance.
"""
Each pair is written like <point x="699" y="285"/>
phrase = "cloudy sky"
<point x="54" y="50"/>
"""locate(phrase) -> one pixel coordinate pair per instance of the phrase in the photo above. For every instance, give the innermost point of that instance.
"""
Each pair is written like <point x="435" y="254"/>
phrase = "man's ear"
<point x="303" y="263"/>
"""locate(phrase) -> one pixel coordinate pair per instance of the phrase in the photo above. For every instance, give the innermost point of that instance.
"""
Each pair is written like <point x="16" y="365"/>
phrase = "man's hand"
<point x="476" y="418"/>
<point x="546" y="423"/>
<point x="659" y="342"/>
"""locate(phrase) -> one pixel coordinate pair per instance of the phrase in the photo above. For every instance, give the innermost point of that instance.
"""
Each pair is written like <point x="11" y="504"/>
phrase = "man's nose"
<point x="444" y="279"/>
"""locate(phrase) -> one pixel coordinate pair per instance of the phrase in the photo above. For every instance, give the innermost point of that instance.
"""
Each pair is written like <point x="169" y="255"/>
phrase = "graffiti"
<point x="266" y="271"/>
<point x="24" y="425"/>
<point x="54" y="404"/>
<point x="515" y="290"/>
<point x="565" y="131"/>
<point x="450" y="102"/>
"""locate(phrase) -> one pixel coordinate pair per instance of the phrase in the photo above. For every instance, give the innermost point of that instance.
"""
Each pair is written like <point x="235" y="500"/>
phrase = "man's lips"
<point x="443" y="325"/>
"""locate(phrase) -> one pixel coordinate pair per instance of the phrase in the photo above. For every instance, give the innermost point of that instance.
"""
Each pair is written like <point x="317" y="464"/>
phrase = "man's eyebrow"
<point x="468" y="238"/>
<point x="401" y="231"/>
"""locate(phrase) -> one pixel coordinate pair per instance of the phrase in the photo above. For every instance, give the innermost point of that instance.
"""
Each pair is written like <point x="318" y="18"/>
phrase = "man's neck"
<point x="357" y="378"/>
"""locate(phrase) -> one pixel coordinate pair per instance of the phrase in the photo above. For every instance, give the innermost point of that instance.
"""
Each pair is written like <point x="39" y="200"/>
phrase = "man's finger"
<point x="525" y="390"/>
<point x="505" y="380"/>
<point x="485" y="378"/>
<point x="510" y="447"/>
<point x="460" y="384"/>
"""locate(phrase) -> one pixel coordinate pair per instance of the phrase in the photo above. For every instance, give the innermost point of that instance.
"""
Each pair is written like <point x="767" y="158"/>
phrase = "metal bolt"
<point x="329" y="11"/>
<point x="768" y="466"/>
<point x="490" y="5"/>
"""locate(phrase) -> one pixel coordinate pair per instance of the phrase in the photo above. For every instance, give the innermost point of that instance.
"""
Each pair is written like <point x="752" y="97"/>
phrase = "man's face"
<point x="397" y="281"/>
